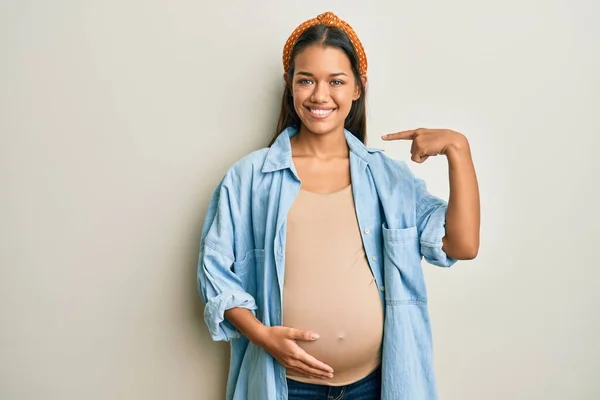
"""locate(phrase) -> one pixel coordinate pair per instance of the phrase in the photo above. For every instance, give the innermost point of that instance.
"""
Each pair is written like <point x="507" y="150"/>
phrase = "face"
<point x="323" y="87"/>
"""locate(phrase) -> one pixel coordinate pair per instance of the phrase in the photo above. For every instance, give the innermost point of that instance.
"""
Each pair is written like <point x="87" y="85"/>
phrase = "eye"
<point x="305" y="81"/>
<point x="337" y="83"/>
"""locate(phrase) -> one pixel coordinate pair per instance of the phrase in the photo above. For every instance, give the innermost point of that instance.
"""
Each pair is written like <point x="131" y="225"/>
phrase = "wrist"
<point x="458" y="148"/>
<point x="258" y="335"/>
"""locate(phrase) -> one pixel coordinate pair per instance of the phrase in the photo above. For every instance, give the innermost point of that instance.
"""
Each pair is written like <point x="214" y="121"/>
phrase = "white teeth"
<point x="321" y="112"/>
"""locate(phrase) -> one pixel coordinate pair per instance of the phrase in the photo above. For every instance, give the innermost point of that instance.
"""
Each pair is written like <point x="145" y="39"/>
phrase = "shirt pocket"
<point x="404" y="280"/>
<point x="246" y="269"/>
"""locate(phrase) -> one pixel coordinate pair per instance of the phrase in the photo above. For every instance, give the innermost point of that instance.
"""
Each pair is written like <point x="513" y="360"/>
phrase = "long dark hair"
<point x="327" y="36"/>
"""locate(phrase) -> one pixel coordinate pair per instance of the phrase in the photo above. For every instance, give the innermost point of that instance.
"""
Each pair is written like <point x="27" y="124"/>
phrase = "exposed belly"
<point x="349" y="321"/>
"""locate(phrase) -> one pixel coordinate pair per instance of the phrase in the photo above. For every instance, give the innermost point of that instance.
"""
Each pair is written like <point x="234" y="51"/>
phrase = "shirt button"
<point x="374" y="258"/>
<point x="367" y="231"/>
<point x="381" y="288"/>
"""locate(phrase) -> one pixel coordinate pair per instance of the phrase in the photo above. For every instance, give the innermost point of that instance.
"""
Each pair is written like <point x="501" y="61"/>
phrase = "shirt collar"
<point x="279" y="155"/>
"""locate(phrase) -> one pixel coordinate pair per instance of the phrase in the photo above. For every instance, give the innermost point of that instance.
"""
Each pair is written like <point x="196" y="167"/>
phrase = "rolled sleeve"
<point x="431" y="223"/>
<point x="214" y="311"/>
<point x="219" y="286"/>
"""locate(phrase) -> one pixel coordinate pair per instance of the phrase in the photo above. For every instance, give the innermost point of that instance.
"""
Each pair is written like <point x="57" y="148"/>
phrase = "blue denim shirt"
<point x="242" y="262"/>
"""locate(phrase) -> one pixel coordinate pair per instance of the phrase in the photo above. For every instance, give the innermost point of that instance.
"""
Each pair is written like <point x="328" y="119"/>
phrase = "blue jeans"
<point x="368" y="388"/>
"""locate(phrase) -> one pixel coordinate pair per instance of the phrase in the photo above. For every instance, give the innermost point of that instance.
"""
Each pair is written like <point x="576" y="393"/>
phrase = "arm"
<point x="463" y="216"/>
<point x="448" y="231"/>
<point x="229" y="310"/>
<point x="246" y="323"/>
<point x="219" y="286"/>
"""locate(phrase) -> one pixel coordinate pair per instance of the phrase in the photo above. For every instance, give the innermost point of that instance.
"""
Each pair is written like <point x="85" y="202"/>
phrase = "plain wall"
<point x="118" y="119"/>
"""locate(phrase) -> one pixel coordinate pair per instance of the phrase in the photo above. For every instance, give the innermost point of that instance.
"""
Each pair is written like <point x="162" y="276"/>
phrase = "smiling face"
<point x="323" y="87"/>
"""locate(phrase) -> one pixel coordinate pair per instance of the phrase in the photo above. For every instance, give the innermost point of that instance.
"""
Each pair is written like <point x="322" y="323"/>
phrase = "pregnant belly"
<point x="350" y="335"/>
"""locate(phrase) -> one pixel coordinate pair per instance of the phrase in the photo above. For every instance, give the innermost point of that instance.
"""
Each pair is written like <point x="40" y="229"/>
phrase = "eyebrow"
<point x="312" y="75"/>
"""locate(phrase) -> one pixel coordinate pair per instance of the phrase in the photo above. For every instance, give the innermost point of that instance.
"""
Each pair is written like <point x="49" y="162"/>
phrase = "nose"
<point x="320" y="93"/>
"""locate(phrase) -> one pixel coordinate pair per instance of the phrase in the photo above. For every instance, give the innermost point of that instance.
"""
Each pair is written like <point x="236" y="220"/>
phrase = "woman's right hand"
<point x="280" y="342"/>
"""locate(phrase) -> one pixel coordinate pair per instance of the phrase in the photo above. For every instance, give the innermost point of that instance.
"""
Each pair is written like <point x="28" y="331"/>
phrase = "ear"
<point x="357" y="92"/>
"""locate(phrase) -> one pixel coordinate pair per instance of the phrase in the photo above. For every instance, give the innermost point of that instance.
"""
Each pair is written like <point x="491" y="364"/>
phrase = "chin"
<point x="319" y="130"/>
<point x="322" y="128"/>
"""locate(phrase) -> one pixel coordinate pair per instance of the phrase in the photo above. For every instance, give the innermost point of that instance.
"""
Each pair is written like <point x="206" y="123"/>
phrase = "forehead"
<point x="317" y="58"/>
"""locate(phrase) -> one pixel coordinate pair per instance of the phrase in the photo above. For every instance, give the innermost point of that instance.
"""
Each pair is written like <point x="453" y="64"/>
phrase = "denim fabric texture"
<point x="242" y="263"/>
<point x="368" y="388"/>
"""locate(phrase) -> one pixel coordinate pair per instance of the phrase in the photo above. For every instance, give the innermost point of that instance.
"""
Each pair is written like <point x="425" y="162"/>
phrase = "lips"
<point x="320" y="113"/>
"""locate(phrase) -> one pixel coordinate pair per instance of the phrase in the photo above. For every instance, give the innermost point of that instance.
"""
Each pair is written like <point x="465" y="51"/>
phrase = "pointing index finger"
<point x="404" y="135"/>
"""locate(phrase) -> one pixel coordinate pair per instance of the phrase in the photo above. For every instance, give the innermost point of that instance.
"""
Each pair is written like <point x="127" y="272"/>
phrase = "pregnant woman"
<point x="310" y="257"/>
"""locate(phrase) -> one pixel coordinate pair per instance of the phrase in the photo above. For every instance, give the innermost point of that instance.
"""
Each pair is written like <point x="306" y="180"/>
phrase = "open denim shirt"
<point x="242" y="262"/>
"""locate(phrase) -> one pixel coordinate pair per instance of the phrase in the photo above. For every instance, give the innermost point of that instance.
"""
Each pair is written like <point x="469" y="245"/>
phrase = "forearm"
<point x="247" y="324"/>
<point x="461" y="240"/>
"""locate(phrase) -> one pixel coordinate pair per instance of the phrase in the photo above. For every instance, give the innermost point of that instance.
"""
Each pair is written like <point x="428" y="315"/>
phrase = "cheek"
<point x="344" y="98"/>
<point x="298" y="104"/>
<point x="299" y="96"/>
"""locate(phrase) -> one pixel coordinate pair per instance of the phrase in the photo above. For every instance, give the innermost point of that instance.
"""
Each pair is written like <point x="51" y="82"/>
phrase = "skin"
<point x="323" y="79"/>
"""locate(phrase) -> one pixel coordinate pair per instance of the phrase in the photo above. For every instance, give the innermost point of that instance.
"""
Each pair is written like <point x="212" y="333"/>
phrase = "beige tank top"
<point x="329" y="288"/>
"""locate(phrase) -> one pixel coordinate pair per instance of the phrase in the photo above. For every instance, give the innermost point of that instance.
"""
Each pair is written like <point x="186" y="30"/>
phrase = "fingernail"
<point x="314" y="336"/>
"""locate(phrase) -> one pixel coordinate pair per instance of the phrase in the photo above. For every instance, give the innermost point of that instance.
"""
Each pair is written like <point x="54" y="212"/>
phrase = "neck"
<point x="332" y="144"/>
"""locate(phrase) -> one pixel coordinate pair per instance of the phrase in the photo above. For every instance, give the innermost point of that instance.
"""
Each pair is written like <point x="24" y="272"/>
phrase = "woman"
<point x="310" y="259"/>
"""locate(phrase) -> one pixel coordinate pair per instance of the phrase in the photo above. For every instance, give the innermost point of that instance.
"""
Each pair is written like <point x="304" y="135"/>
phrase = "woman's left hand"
<point x="430" y="142"/>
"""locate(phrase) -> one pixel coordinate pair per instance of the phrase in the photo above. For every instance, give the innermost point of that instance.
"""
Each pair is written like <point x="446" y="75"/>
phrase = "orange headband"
<point x="329" y="19"/>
